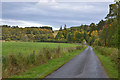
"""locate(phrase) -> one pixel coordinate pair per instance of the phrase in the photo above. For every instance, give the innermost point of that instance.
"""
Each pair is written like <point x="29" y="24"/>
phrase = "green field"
<point x="20" y="57"/>
<point x="29" y="47"/>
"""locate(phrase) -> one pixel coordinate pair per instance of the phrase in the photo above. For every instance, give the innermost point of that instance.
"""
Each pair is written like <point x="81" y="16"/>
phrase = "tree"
<point x="92" y="26"/>
<point x="59" y="36"/>
<point x="113" y="11"/>
<point x="65" y="27"/>
<point x="100" y="25"/>
<point x="70" y="37"/>
<point x="60" y="28"/>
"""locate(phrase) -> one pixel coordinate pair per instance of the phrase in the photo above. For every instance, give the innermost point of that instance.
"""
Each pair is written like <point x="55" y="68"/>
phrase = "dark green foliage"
<point x="100" y="25"/>
<point x="109" y="33"/>
<point x="93" y="27"/>
<point x="70" y="37"/>
<point x="65" y="27"/>
<point x="46" y="27"/>
<point x="60" y="28"/>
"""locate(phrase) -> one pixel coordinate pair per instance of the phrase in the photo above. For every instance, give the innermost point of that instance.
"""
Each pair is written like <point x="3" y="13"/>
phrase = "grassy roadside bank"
<point x="42" y="71"/>
<point x="110" y="66"/>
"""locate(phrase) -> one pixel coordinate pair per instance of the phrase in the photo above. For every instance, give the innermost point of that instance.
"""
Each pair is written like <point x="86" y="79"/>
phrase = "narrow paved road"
<point x="85" y="65"/>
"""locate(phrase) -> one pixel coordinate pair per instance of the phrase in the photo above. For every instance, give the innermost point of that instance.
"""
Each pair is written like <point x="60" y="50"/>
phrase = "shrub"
<point x="8" y="39"/>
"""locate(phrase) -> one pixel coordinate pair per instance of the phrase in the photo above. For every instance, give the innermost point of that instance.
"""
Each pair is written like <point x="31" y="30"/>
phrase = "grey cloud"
<point x="55" y="14"/>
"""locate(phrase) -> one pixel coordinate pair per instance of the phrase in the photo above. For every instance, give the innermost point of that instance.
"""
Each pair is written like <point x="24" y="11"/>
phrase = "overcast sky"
<point x="53" y="13"/>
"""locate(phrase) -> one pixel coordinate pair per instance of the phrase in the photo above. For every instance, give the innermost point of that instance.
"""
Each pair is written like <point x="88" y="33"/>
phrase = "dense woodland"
<point x="26" y="34"/>
<point x="105" y="33"/>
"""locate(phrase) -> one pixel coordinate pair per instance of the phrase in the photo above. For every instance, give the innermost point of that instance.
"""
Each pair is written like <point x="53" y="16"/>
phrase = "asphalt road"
<point x="85" y="65"/>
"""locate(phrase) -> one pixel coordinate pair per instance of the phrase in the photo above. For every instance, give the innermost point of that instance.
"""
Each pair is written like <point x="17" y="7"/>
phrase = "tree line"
<point x="105" y="33"/>
<point x="27" y="33"/>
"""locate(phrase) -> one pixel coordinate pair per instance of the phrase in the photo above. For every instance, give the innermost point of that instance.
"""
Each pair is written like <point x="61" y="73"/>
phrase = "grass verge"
<point x="109" y="66"/>
<point x="42" y="71"/>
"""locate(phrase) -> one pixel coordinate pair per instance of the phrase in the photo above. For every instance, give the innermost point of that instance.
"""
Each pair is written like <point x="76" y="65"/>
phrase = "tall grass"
<point x="112" y="53"/>
<point x="110" y="60"/>
<point x="15" y="64"/>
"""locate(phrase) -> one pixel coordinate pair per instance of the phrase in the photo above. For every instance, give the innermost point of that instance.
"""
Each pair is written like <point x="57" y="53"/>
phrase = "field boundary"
<point x="66" y="62"/>
<point x="61" y="62"/>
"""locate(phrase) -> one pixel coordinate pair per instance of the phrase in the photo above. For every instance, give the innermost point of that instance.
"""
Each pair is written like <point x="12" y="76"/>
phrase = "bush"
<point x="8" y="39"/>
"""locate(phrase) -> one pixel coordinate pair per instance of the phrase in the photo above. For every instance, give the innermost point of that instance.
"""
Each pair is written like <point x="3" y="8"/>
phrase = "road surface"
<point x="85" y="65"/>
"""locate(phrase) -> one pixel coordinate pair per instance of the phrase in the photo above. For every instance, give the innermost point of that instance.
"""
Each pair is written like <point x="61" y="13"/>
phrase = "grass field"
<point x="29" y="47"/>
<point x="19" y="57"/>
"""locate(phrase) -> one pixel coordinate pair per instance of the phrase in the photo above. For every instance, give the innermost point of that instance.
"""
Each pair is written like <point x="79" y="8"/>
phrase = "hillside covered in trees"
<point x="26" y="34"/>
<point x="105" y="33"/>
